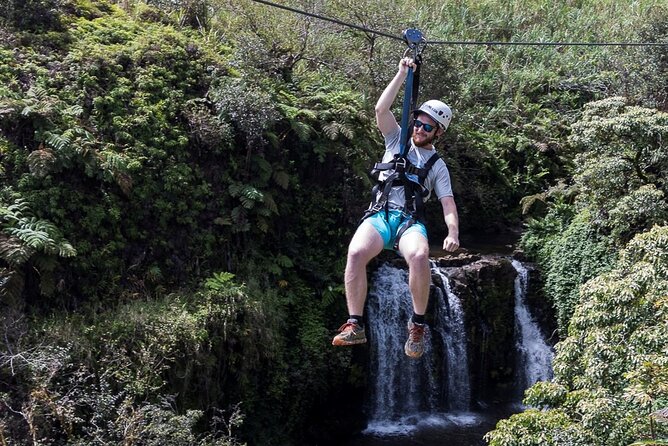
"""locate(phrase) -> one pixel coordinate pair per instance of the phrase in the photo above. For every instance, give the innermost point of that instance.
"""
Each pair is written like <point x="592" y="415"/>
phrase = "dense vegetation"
<point x="180" y="180"/>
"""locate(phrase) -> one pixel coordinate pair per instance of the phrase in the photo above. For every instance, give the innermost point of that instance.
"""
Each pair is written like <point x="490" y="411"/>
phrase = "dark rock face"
<point x="486" y="289"/>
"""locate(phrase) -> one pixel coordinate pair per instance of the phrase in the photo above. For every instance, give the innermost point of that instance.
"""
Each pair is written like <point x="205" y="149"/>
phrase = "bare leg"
<point x="415" y="249"/>
<point x="365" y="245"/>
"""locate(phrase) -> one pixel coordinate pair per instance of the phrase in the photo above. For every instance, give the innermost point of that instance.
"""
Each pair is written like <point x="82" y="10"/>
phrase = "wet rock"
<point x="459" y="259"/>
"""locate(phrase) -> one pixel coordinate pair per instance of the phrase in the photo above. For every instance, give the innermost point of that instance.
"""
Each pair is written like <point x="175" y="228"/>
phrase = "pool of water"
<point x="432" y="429"/>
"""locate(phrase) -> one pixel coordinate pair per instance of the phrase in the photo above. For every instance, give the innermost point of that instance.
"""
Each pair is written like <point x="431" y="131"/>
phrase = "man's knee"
<point x="414" y="248"/>
<point x="359" y="254"/>
<point x="417" y="255"/>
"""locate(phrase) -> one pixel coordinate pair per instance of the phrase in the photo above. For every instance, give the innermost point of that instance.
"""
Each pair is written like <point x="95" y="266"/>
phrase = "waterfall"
<point x="403" y="387"/>
<point x="535" y="355"/>
<point x="453" y="334"/>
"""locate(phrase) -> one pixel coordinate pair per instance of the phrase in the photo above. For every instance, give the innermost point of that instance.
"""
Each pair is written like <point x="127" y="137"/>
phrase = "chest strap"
<point x="414" y="192"/>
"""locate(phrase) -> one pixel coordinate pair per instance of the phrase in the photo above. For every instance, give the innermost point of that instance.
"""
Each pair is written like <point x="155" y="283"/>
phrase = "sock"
<point x="359" y="320"/>
<point x="418" y="318"/>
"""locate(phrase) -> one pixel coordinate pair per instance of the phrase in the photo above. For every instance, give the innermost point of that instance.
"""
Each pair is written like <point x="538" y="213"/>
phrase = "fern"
<point x="16" y="209"/>
<point x="248" y="195"/>
<point x="13" y="251"/>
<point x="347" y="131"/>
<point x="39" y="102"/>
<point x="11" y="284"/>
<point x="25" y="239"/>
<point x="302" y="130"/>
<point x="36" y="239"/>
<point x="270" y="203"/>
<point x="39" y="235"/>
<point x="65" y="249"/>
<point x="59" y="142"/>
<point x="74" y="110"/>
<point x="332" y="130"/>
<point x="282" y="178"/>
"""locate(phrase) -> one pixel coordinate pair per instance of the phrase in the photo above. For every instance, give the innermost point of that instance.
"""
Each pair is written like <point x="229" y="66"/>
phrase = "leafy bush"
<point x="620" y="188"/>
<point x="610" y="372"/>
<point x="111" y="376"/>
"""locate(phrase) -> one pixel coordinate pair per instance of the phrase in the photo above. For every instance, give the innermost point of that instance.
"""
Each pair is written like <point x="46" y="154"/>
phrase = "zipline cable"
<point x="458" y="42"/>
<point x="492" y="43"/>
<point x="329" y="19"/>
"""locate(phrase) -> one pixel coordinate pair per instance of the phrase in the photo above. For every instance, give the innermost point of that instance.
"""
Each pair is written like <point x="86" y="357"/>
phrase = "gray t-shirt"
<point x="438" y="178"/>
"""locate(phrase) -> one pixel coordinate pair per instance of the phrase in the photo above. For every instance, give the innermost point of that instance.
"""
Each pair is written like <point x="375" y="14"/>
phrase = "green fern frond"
<point x="65" y="249"/>
<point x="13" y="251"/>
<point x="74" y="110"/>
<point x="347" y="131"/>
<point x="112" y="161"/>
<point x="38" y="92"/>
<point x="38" y="101"/>
<point x="332" y="130"/>
<point x="262" y="225"/>
<point x="235" y="189"/>
<point x="302" y="130"/>
<point x="58" y="142"/>
<point x="11" y="284"/>
<point x="273" y="139"/>
<point x="37" y="240"/>
<point x="282" y="178"/>
<point x="250" y="196"/>
<point x="270" y="203"/>
<point x="263" y="164"/>
<point x="19" y="208"/>
<point x="284" y="261"/>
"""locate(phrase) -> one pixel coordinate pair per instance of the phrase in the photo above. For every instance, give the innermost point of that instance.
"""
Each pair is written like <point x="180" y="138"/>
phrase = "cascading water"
<point x="535" y="355"/>
<point x="426" y="400"/>
<point x="453" y="335"/>
<point x="403" y="387"/>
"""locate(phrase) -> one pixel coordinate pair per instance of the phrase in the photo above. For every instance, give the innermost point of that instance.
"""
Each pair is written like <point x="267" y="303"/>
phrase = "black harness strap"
<point x="414" y="192"/>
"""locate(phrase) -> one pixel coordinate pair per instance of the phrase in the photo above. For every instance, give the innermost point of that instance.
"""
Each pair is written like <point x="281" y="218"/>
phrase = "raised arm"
<point x="385" y="120"/>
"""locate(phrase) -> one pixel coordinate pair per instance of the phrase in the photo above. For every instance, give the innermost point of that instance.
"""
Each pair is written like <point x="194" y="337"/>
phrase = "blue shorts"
<point x="388" y="229"/>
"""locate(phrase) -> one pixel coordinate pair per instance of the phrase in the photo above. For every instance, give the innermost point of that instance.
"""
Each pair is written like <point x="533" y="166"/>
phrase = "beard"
<point x="423" y="141"/>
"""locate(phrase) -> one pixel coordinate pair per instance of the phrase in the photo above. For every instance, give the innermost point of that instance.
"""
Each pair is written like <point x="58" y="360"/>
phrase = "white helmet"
<point x="437" y="110"/>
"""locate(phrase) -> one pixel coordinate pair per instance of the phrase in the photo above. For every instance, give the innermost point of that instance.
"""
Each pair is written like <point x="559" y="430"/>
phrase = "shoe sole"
<point x="413" y="355"/>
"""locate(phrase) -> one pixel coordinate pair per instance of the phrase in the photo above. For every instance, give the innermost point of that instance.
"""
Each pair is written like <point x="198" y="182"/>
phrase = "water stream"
<point x="427" y="401"/>
<point x="535" y="355"/>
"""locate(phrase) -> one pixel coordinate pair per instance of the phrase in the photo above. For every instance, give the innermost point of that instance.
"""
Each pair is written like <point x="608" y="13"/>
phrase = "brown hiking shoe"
<point x="350" y="333"/>
<point x="415" y="344"/>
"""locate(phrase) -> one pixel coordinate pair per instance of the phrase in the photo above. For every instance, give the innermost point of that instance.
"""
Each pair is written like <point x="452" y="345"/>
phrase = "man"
<point x="379" y="231"/>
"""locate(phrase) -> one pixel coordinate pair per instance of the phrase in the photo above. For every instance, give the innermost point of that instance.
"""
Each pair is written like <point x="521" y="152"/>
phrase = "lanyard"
<point x="416" y="43"/>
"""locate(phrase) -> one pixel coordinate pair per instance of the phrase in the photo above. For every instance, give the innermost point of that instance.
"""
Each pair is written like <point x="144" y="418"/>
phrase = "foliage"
<point x="177" y="143"/>
<point x="622" y="171"/>
<point x="610" y="372"/>
<point x="620" y="188"/>
<point x="99" y="376"/>
<point x="28" y="245"/>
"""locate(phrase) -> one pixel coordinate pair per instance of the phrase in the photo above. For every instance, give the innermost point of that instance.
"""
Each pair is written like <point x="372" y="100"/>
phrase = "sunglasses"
<point x="427" y="127"/>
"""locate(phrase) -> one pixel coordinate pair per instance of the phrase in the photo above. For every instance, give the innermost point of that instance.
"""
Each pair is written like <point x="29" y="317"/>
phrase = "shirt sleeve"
<point x="442" y="186"/>
<point x="392" y="145"/>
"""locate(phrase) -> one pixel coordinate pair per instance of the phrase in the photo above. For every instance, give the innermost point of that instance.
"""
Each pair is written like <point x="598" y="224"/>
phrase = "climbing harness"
<point x="401" y="167"/>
